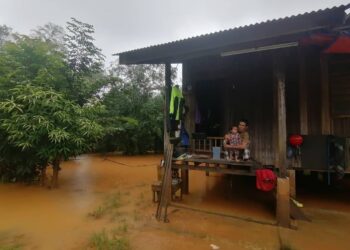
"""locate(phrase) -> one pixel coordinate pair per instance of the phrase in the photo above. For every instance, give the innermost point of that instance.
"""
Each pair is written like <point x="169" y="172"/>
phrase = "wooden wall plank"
<point x="325" y="97"/>
<point x="303" y="94"/>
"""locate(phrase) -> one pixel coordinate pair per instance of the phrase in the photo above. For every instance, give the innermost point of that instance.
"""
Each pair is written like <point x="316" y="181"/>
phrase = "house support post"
<point x="283" y="184"/>
<point x="167" y="92"/>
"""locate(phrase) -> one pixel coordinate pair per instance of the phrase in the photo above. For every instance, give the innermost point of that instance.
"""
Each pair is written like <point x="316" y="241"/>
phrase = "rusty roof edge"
<point x="200" y="50"/>
<point x="340" y="7"/>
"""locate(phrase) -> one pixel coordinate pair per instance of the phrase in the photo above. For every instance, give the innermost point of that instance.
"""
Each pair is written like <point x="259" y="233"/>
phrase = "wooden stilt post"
<point x="283" y="188"/>
<point x="279" y="73"/>
<point x="292" y="184"/>
<point x="165" y="196"/>
<point x="283" y="202"/>
<point x="185" y="180"/>
<point x="167" y="92"/>
<point x="189" y="119"/>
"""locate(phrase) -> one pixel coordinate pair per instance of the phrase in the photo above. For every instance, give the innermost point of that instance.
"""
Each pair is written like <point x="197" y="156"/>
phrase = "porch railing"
<point x="206" y="145"/>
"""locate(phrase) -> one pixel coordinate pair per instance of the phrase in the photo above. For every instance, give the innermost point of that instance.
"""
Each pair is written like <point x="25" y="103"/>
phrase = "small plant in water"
<point x="123" y="228"/>
<point x="15" y="247"/>
<point x="103" y="241"/>
<point x="98" y="212"/>
<point x="111" y="203"/>
<point x="136" y="215"/>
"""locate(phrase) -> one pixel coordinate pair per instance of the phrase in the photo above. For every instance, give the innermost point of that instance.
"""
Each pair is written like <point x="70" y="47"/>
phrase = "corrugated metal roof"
<point x="241" y="28"/>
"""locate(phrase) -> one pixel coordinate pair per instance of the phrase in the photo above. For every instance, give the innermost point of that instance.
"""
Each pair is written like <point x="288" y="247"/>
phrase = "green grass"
<point x="123" y="228"/>
<point x="13" y="247"/>
<point x="110" y="204"/>
<point x="114" y="201"/>
<point x="98" y="212"/>
<point x="137" y="215"/>
<point x="10" y="241"/>
<point x="103" y="241"/>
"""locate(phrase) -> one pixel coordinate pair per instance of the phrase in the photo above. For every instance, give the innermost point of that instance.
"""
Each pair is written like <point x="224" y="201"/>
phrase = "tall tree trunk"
<point x="56" y="169"/>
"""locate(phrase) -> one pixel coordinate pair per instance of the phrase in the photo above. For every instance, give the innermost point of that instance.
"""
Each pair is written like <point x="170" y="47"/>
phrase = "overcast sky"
<point x="130" y="24"/>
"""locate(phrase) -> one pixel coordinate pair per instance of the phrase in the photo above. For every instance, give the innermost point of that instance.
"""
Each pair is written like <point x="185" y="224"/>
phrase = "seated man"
<point x="244" y="141"/>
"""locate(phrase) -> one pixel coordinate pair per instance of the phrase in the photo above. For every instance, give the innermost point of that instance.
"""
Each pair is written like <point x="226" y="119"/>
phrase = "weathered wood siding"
<point x="340" y="94"/>
<point x="239" y="89"/>
<point x="242" y="87"/>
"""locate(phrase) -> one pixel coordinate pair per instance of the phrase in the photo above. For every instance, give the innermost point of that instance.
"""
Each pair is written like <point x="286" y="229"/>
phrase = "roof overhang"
<point x="267" y="34"/>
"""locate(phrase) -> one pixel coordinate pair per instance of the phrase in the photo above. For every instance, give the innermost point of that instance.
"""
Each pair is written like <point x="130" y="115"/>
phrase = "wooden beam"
<point x="283" y="185"/>
<point x="167" y="92"/>
<point x="325" y="101"/>
<point x="303" y="93"/>
<point x="185" y="180"/>
<point x="188" y="92"/>
<point x="281" y="137"/>
<point x="220" y="170"/>
<point x="165" y="195"/>
<point x="283" y="202"/>
<point x="292" y="183"/>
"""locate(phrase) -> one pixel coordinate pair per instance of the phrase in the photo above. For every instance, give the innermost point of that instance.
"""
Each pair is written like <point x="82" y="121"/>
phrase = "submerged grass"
<point x="13" y="247"/>
<point x="110" y="204"/>
<point x="10" y="241"/>
<point x="98" y="212"/>
<point x="105" y="241"/>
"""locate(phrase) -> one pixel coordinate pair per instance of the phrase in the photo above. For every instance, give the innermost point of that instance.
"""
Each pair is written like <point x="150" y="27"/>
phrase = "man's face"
<point x="242" y="127"/>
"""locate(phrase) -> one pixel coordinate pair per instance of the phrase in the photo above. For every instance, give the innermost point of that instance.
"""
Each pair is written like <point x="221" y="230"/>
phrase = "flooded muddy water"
<point x="112" y="194"/>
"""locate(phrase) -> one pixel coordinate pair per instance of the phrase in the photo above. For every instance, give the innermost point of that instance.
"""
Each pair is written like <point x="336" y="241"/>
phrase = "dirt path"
<point x="110" y="196"/>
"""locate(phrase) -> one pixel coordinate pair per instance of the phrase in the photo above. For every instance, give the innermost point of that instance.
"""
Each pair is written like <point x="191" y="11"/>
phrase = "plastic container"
<point x="216" y="153"/>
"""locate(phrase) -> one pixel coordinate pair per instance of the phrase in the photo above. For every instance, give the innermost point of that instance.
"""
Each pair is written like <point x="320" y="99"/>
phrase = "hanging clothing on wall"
<point x="176" y="103"/>
<point x="185" y="138"/>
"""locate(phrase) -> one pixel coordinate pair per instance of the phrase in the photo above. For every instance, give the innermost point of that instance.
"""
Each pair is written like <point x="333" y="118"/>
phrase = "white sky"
<point x="130" y="24"/>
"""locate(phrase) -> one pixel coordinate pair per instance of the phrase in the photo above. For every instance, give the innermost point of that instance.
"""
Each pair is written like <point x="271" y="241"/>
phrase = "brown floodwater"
<point x="40" y="218"/>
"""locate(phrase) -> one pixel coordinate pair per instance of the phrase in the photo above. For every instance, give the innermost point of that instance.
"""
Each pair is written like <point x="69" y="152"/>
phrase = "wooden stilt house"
<point x="285" y="76"/>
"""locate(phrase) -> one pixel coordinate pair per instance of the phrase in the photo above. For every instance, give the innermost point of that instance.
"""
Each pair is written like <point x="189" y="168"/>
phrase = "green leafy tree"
<point x="47" y="127"/>
<point x="83" y="55"/>
<point x="134" y="109"/>
<point x="85" y="60"/>
<point x="51" y="33"/>
<point x="5" y="34"/>
<point x="32" y="60"/>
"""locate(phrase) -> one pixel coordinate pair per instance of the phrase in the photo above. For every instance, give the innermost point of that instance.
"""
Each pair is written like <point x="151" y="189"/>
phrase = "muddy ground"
<point x="110" y="197"/>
